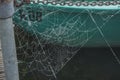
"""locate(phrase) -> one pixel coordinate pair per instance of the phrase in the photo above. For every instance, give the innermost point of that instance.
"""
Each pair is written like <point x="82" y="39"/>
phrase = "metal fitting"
<point x="93" y="3"/>
<point x="113" y="2"/>
<point x="69" y="3"/>
<point x="54" y="3"/>
<point x="107" y="3"/>
<point x="6" y="9"/>
<point x="62" y="3"/>
<point x="85" y="3"/>
<point x="78" y="3"/>
<point x="45" y="2"/>
<point x="100" y="3"/>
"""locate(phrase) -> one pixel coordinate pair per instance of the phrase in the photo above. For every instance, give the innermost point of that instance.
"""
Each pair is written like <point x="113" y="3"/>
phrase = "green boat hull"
<point x="89" y="26"/>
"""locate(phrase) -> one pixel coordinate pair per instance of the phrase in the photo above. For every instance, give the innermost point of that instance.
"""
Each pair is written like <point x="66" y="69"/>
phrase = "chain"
<point x="77" y="3"/>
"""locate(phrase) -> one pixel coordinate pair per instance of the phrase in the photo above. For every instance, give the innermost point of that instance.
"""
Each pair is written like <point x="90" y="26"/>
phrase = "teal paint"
<point x="71" y="25"/>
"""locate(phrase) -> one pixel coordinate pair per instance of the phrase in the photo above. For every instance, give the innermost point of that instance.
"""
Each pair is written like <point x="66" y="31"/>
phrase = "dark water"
<point x="88" y="64"/>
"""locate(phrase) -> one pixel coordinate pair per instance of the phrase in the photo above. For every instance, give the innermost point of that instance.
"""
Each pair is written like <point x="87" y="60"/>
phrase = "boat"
<point x="78" y="23"/>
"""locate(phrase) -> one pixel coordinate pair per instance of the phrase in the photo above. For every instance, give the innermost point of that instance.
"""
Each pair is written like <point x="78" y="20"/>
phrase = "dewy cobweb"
<point x="51" y="51"/>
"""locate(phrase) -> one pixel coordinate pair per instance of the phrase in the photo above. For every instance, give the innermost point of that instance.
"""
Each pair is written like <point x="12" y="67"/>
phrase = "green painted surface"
<point x="71" y="25"/>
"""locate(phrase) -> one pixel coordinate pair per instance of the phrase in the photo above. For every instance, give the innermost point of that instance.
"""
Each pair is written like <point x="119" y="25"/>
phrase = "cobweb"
<point x="49" y="51"/>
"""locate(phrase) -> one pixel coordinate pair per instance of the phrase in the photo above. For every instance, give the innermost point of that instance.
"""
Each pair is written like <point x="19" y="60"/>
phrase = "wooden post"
<point x="7" y="40"/>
